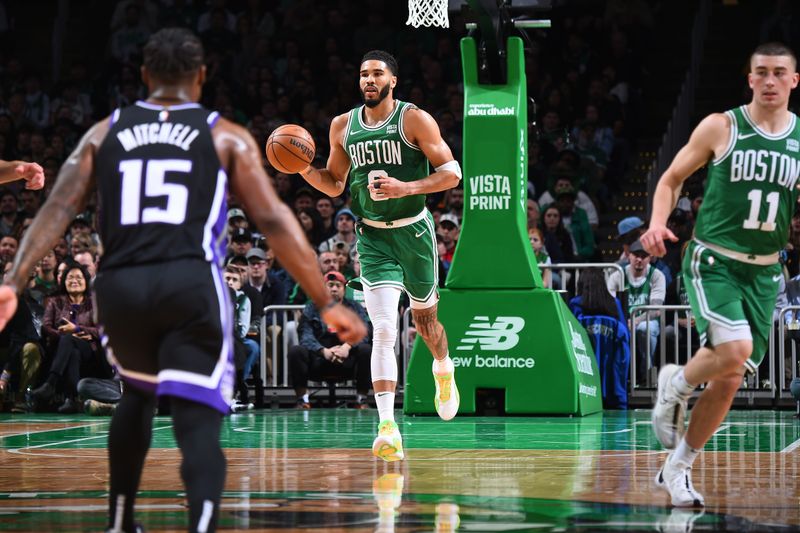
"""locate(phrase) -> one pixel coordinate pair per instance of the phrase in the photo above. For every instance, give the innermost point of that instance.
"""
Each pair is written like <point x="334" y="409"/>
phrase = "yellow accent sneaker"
<point x="388" y="445"/>
<point x="446" y="399"/>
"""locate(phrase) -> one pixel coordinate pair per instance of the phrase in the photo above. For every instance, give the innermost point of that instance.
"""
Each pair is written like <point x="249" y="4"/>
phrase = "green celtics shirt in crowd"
<point x="383" y="150"/>
<point x="752" y="188"/>
<point x="638" y="294"/>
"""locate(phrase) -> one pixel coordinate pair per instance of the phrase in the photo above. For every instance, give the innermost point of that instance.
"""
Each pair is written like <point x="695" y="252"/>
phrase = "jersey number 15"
<point x="154" y="172"/>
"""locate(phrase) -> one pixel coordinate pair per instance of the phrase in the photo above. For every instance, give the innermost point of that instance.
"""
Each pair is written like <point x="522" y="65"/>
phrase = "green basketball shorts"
<point x="403" y="257"/>
<point x="731" y="296"/>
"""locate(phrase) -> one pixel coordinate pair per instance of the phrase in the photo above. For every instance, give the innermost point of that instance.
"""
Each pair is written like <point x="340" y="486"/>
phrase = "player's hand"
<point x="653" y="240"/>
<point x="388" y="187"/>
<point x="349" y="326"/>
<point x="8" y="305"/>
<point x="33" y="175"/>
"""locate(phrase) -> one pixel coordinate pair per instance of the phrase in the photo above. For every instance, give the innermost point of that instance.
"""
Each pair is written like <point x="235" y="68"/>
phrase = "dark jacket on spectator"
<point x="315" y="334"/>
<point x="81" y="315"/>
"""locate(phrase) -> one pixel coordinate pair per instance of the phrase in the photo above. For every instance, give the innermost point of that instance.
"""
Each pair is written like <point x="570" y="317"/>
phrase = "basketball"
<point x="290" y="148"/>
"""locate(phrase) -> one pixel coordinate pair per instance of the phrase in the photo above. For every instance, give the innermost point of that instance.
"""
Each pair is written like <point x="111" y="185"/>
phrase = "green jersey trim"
<point x="401" y="126"/>
<point x="705" y="310"/>
<point x="731" y="138"/>
<point x="770" y="136"/>
<point x="378" y="126"/>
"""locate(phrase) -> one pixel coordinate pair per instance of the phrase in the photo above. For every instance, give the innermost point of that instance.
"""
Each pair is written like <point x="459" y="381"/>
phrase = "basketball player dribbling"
<point x="385" y="146"/>
<point x="162" y="168"/>
<point x="731" y="266"/>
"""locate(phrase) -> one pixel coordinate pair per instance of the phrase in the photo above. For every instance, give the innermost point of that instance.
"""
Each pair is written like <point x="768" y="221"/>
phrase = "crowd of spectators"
<point x="271" y="63"/>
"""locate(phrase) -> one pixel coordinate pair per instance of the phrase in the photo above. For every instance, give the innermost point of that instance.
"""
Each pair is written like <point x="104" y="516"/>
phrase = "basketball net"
<point x="427" y="13"/>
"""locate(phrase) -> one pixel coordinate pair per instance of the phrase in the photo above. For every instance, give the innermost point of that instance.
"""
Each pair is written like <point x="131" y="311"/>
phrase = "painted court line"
<point x="21" y="451"/>
<point x="792" y="447"/>
<point x="50" y="430"/>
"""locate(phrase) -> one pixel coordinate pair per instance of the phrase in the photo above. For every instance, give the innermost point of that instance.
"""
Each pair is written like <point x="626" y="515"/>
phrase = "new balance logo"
<point x="502" y="334"/>
<point x="743" y="136"/>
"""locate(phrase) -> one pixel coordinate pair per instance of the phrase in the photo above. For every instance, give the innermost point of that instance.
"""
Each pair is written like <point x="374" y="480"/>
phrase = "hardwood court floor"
<point x="294" y="470"/>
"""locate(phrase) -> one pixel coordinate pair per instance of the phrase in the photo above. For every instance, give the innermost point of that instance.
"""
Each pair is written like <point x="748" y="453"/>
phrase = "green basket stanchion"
<point x="505" y="331"/>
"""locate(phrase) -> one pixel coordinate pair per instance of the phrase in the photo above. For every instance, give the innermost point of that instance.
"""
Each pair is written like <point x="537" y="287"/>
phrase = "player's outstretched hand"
<point x="349" y="326"/>
<point x="33" y="175"/>
<point x="653" y="240"/>
<point x="8" y="305"/>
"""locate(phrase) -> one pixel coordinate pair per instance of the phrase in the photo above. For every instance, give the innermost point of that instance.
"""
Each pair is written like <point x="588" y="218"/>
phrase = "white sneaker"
<point x="669" y="411"/>
<point x="679" y="520"/>
<point x="388" y="445"/>
<point x="238" y="407"/>
<point x="677" y="480"/>
<point x="447" y="398"/>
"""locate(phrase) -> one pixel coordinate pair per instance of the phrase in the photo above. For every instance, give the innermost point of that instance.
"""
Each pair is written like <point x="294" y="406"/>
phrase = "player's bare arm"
<point x="242" y="158"/>
<point x="331" y="180"/>
<point x="421" y="129"/>
<point x="708" y="140"/>
<point x="32" y="173"/>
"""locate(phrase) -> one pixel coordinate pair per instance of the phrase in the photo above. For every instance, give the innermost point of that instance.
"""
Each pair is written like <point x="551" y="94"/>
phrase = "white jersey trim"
<point x="402" y="132"/>
<point x="731" y="139"/>
<point x="381" y="124"/>
<point x="770" y="136"/>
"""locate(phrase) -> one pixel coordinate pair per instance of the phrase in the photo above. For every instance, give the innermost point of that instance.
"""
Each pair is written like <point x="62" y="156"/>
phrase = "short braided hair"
<point x="386" y="57"/>
<point x="173" y="53"/>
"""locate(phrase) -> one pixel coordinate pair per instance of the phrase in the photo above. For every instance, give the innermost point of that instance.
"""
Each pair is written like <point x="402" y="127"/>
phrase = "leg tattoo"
<point x="431" y="330"/>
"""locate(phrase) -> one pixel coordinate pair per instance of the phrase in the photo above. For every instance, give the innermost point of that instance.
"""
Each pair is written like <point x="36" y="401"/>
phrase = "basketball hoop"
<point x="427" y="13"/>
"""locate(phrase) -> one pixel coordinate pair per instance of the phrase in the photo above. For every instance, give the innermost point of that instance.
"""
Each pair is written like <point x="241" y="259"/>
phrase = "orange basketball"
<point x="290" y="148"/>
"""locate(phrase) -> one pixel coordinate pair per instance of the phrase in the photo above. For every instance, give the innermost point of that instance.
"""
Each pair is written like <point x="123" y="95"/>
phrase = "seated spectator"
<point x="326" y="211"/>
<point x="448" y="229"/>
<point x="100" y="395"/>
<point x="246" y="351"/>
<point x="533" y="213"/>
<point x="582" y="199"/>
<point x="537" y="244"/>
<point x="601" y="315"/>
<point x="320" y="356"/>
<point x="20" y="345"/>
<point x="577" y="223"/>
<point x="8" y="248"/>
<point x="629" y="230"/>
<point x="345" y="231"/>
<point x="237" y="219"/>
<point x="241" y="242"/>
<point x="645" y="285"/>
<point x="312" y="225"/>
<point x="9" y="216"/>
<point x="557" y="239"/>
<point x="71" y="331"/>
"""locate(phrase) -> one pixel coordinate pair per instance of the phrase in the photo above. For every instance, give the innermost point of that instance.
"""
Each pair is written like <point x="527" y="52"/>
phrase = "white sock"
<point x="385" y="403"/>
<point x="305" y="398"/>
<point x="681" y="386"/>
<point x="443" y="366"/>
<point x="684" y="454"/>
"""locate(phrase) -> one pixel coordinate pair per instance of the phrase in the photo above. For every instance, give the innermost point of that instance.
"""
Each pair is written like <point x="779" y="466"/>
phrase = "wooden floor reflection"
<point x="45" y="487"/>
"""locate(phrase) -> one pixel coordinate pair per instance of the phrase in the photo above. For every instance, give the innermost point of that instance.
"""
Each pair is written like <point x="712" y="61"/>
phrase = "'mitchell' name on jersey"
<point x="161" y="186"/>
<point x="176" y="134"/>
<point x="752" y="188"/>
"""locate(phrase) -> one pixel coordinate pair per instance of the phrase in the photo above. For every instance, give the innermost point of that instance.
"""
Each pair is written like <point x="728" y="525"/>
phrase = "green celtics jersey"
<point x="751" y="191"/>
<point x="638" y="291"/>
<point x="383" y="150"/>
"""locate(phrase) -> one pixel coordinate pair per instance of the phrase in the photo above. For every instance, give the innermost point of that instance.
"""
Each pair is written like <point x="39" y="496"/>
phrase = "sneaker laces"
<point x="445" y="385"/>
<point x="387" y="428"/>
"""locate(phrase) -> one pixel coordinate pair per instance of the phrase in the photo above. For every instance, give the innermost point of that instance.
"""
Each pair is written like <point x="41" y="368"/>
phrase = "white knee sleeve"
<point x="382" y="305"/>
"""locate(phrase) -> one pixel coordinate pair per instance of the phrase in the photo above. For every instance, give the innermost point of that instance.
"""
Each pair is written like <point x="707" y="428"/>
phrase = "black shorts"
<point x="169" y="329"/>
